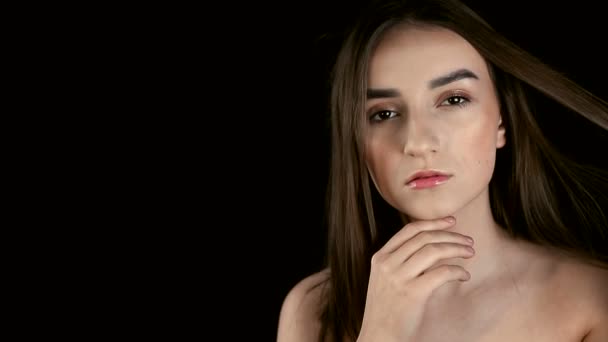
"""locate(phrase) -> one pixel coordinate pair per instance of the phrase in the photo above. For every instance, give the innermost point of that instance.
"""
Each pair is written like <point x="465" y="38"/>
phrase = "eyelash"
<point x="465" y="101"/>
<point x="457" y="95"/>
<point x="375" y="117"/>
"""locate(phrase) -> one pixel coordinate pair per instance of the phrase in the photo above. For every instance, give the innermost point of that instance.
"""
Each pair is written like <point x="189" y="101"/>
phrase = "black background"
<point x="201" y="196"/>
<point x="272" y="146"/>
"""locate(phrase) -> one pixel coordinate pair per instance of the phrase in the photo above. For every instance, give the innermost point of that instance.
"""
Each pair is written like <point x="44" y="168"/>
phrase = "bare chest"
<point x="496" y="318"/>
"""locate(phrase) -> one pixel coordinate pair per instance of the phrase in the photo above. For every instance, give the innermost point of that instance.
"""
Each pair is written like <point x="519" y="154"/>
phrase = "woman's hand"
<point x="402" y="277"/>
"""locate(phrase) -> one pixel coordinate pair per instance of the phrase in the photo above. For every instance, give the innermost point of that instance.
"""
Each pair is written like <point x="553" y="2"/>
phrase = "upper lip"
<point x="425" y="173"/>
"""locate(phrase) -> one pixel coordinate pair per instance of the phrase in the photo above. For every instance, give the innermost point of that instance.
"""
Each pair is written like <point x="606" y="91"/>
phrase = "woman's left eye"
<point x="455" y="100"/>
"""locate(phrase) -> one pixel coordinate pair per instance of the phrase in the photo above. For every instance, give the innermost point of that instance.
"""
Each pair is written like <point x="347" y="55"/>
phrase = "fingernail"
<point x="470" y="239"/>
<point x="450" y="219"/>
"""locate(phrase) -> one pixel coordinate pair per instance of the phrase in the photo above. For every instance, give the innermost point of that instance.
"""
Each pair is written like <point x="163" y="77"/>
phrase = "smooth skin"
<point x="425" y="283"/>
<point x="402" y="278"/>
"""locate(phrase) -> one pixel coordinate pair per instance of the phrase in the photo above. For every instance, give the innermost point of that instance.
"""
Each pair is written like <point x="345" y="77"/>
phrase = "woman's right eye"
<point x="382" y="115"/>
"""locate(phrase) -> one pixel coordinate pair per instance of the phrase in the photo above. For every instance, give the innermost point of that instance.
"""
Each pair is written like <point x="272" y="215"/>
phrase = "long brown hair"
<point x="536" y="193"/>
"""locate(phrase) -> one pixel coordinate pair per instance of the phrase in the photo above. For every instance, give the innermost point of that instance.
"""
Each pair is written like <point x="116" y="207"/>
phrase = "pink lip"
<point x="427" y="179"/>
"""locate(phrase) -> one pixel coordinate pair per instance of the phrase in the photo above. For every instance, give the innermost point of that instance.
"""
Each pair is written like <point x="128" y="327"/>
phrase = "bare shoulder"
<point x="587" y="286"/>
<point x="299" y="317"/>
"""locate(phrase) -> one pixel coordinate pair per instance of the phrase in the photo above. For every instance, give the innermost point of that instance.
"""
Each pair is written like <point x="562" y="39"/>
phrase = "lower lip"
<point x="425" y="183"/>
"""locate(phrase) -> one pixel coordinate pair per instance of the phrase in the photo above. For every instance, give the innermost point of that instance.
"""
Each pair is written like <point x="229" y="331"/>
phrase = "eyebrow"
<point x="452" y="77"/>
<point x="434" y="83"/>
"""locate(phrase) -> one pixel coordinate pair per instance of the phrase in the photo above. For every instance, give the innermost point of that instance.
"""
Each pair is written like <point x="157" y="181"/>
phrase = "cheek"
<point x="375" y="156"/>
<point x="481" y="149"/>
<point x="381" y="160"/>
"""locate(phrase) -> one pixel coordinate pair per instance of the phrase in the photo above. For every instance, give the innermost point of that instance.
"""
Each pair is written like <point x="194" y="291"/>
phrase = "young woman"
<point x="452" y="216"/>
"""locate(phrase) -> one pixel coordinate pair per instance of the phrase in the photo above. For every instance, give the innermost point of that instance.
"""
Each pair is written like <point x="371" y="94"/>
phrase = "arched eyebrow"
<point x="451" y="77"/>
<point x="382" y="93"/>
<point x="434" y="83"/>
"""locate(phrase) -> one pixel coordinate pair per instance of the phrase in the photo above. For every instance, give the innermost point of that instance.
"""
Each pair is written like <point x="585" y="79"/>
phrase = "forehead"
<point x="412" y="55"/>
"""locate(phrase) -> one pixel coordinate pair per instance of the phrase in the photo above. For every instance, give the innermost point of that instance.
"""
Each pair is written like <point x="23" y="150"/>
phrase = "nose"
<point x="420" y="139"/>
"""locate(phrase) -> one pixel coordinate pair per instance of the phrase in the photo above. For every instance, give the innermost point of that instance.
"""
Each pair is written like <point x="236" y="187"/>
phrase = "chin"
<point x="425" y="211"/>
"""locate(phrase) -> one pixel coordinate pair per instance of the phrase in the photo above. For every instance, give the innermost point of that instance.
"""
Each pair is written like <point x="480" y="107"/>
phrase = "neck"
<point x="491" y="259"/>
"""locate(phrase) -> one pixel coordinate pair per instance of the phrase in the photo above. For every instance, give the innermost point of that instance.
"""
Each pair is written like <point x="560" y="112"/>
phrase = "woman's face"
<point x="430" y="105"/>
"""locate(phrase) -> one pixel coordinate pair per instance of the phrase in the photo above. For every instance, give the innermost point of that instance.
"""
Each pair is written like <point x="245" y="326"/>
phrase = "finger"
<point x="439" y="276"/>
<point x="432" y="253"/>
<point x="422" y="239"/>
<point x="412" y="229"/>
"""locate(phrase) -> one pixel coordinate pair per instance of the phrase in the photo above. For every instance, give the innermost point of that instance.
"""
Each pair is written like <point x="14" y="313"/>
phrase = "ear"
<point x="500" y="135"/>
